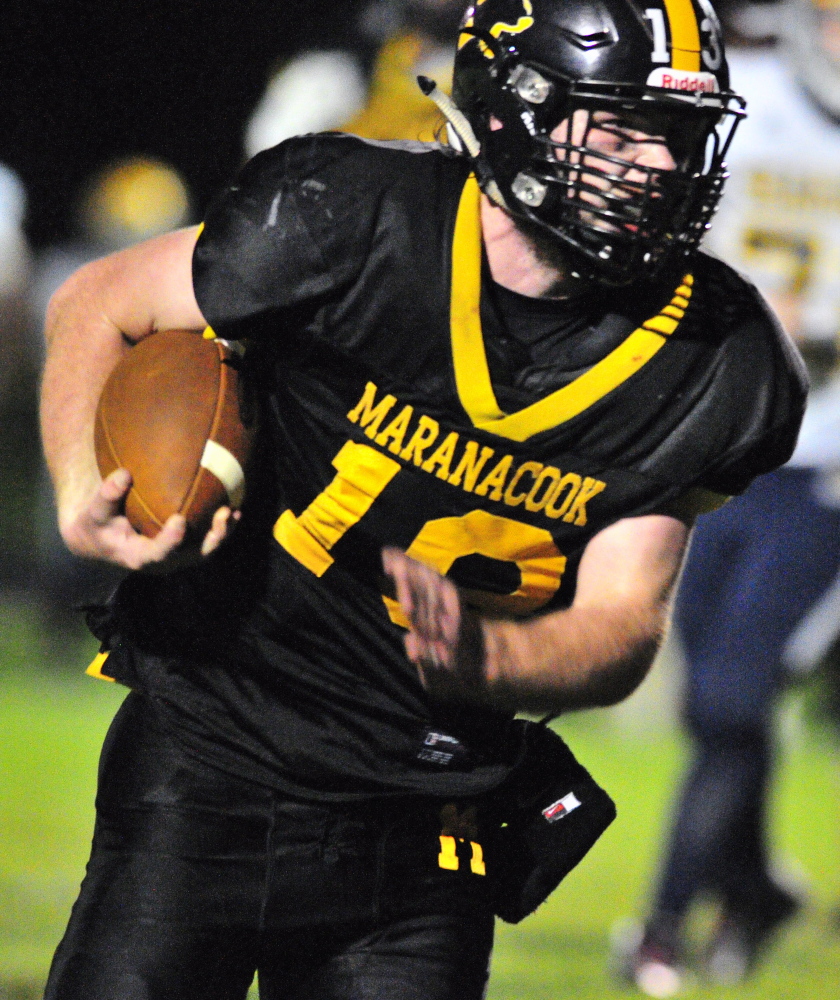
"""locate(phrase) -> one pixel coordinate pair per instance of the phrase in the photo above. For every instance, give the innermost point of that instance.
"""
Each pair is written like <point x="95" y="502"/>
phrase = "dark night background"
<point x="83" y="81"/>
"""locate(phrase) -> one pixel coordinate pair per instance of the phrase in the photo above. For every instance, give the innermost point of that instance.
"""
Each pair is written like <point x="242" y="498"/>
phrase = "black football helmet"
<point x="656" y="66"/>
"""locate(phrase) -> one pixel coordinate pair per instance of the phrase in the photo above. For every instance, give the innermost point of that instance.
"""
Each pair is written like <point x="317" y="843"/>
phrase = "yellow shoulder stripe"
<point x="472" y="374"/>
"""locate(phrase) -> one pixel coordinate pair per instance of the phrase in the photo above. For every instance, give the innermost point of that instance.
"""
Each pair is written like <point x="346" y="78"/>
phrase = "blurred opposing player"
<point x="498" y="382"/>
<point x="19" y="360"/>
<point x="319" y="91"/>
<point x="15" y="277"/>
<point x="751" y="601"/>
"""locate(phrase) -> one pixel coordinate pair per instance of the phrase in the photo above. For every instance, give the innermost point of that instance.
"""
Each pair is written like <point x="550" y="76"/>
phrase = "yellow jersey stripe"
<point x="472" y="375"/>
<point x="586" y="390"/>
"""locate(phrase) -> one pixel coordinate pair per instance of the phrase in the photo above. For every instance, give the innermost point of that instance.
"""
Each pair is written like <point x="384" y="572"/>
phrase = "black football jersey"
<point x="407" y="401"/>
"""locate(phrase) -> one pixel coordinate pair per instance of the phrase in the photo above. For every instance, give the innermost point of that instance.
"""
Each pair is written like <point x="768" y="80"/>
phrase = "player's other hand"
<point x="102" y="531"/>
<point x="445" y="637"/>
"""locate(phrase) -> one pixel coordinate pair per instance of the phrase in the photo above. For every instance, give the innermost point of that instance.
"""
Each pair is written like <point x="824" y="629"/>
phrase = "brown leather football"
<point x="173" y="413"/>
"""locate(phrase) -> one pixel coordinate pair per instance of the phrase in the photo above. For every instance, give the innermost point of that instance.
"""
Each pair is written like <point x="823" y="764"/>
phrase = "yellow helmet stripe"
<point x="685" y="35"/>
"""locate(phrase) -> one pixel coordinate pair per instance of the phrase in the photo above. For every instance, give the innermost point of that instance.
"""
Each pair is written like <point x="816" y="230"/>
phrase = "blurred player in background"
<point x="15" y="276"/>
<point x="128" y="200"/>
<point x="752" y="602"/>
<point x="374" y="96"/>
<point x="19" y="363"/>
<point x="498" y="383"/>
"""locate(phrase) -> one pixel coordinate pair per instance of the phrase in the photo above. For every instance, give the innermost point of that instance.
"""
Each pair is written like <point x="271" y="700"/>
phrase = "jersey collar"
<point x="472" y="374"/>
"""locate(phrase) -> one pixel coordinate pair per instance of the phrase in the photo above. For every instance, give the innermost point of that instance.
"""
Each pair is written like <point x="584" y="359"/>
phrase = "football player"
<point x="321" y="90"/>
<point x="497" y="382"/>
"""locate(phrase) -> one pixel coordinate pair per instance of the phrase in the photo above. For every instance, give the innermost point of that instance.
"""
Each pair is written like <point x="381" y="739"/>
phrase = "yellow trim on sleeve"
<point x="95" y="668"/>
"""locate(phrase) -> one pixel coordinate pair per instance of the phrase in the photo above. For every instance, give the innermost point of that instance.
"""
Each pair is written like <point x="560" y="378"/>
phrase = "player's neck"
<point x="517" y="264"/>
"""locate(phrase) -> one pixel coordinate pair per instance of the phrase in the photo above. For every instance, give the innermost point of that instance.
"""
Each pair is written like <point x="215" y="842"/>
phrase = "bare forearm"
<point x="595" y="653"/>
<point x="580" y="658"/>
<point x="600" y="649"/>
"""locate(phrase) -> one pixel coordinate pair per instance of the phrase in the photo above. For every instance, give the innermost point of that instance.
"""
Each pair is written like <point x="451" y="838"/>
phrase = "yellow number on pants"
<point x="448" y="857"/>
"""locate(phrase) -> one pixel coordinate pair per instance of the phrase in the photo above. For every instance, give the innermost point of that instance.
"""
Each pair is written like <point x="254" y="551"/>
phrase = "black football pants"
<point x="196" y="880"/>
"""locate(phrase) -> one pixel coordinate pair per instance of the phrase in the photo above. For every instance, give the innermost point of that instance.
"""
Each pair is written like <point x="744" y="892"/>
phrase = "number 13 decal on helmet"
<point x="684" y="23"/>
<point x="710" y="31"/>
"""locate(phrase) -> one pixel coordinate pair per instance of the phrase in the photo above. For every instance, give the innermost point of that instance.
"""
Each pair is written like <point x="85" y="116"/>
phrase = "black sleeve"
<point x="768" y="386"/>
<point x="286" y="234"/>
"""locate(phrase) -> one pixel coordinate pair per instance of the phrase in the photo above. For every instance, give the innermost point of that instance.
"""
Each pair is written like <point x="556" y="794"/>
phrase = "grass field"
<point x="53" y="719"/>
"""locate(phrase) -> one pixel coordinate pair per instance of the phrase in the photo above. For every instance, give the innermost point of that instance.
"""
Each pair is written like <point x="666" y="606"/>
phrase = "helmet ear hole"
<point x="529" y="190"/>
<point x="530" y="85"/>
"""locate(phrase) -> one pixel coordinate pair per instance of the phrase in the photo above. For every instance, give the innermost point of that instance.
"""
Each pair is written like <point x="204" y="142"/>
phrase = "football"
<point x="174" y="413"/>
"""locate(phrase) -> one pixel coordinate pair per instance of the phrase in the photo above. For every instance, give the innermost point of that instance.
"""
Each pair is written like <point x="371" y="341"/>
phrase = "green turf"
<point x="561" y="951"/>
<point x="53" y="719"/>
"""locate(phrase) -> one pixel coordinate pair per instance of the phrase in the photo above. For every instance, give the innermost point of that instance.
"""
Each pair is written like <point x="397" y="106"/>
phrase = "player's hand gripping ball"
<point x="173" y="412"/>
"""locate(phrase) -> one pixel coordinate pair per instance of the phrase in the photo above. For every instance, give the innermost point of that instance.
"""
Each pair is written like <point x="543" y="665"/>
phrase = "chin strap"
<point x="460" y="132"/>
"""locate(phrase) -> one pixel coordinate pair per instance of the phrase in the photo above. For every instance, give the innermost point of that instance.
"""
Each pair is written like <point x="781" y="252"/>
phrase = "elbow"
<point x="615" y="677"/>
<point x="574" y="661"/>
<point x="623" y="678"/>
<point x="82" y="298"/>
<point x="63" y="303"/>
<point x="645" y="634"/>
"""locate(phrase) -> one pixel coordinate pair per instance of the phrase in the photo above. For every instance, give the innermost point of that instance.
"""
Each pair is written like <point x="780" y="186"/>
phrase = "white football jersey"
<point x="779" y="219"/>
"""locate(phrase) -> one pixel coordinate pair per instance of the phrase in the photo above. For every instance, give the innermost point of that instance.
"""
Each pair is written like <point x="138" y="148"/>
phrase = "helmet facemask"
<point x="554" y="147"/>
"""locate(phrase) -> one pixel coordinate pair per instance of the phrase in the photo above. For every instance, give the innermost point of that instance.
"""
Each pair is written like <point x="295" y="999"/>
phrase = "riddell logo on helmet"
<point x="683" y="79"/>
